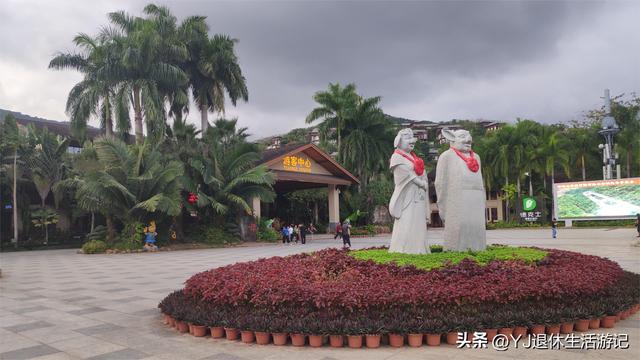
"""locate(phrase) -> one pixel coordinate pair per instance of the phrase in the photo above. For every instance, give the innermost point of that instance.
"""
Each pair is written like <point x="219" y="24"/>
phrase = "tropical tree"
<point x="228" y="177"/>
<point x="48" y="165"/>
<point x="584" y="145"/>
<point x="132" y="183"/>
<point x="13" y="140"/>
<point x="336" y="106"/>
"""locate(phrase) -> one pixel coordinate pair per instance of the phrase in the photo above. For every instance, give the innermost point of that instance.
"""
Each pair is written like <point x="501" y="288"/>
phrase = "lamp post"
<point x="609" y="130"/>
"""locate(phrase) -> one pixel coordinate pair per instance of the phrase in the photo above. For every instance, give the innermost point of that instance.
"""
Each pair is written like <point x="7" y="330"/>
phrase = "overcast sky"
<point x="429" y="60"/>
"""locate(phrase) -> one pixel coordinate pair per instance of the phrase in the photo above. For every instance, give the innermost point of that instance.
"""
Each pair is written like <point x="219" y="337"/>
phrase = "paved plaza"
<point x="62" y="305"/>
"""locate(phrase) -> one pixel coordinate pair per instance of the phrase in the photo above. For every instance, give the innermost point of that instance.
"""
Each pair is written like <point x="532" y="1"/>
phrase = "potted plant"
<point x="374" y="329"/>
<point x="355" y="333"/>
<point x="246" y="324"/>
<point x="260" y="325"/>
<point x="298" y="329"/>
<point x="433" y="329"/>
<point x="507" y="320"/>
<point x="396" y="326"/>
<point x="335" y="329"/>
<point x="278" y="329"/>
<point x="315" y="330"/>
<point x="415" y="327"/>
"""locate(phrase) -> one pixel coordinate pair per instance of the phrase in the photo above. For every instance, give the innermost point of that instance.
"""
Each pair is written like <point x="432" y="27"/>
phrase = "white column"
<point x="255" y="204"/>
<point x="334" y="206"/>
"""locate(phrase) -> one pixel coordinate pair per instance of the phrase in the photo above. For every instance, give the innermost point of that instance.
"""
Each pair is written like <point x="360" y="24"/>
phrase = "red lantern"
<point x="193" y="198"/>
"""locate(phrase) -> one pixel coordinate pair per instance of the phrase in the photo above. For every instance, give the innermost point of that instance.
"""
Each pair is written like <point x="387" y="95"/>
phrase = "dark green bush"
<point x="211" y="235"/>
<point x="94" y="247"/>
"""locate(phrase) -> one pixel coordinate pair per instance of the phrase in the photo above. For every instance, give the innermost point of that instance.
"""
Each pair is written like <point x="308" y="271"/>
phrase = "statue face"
<point x="405" y="140"/>
<point x="460" y="139"/>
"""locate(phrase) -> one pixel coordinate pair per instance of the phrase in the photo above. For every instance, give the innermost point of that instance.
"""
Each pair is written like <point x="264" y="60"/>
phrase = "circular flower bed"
<point x="340" y="292"/>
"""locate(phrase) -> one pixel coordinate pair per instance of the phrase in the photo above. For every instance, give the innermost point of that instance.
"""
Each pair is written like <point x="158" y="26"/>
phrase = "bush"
<point x="511" y="224"/>
<point x="94" y="247"/>
<point x="211" y="235"/>
<point x="269" y="235"/>
<point x="99" y="233"/>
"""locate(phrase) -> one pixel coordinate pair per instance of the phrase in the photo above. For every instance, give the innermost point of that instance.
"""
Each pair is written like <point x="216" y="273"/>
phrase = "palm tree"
<point x="48" y="165"/>
<point x="132" y="183"/>
<point x="228" y="175"/>
<point x="336" y="106"/>
<point x="367" y="140"/>
<point x="14" y="140"/>
<point x="93" y="95"/>
<point x="147" y="53"/>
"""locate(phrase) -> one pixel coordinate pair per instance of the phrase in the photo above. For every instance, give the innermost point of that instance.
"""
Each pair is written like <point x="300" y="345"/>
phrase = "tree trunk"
<point x="111" y="230"/>
<point x="137" y="108"/>
<point x="507" y="212"/>
<point x="93" y="220"/>
<point x="629" y="151"/>
<point x="204" y="118"/>
<point x="315" y="212"/>
<point x="530" y="185"/>
<point x="518" y="185"/>
<point x="108" y="121"/>
<point x="15" y="197"/>
<point x="584" y="172"/>
<point x="44" y="223"/>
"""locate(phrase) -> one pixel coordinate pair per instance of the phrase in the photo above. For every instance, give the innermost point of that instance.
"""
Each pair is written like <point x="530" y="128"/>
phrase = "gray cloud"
<point x="428" y="60"/>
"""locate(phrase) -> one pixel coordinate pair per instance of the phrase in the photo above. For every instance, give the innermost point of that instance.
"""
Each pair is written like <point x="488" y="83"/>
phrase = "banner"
<point x="602" y="199"/>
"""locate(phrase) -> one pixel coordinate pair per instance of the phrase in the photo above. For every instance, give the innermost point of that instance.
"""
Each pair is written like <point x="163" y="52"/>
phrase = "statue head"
<point x="405" y="140"/>
<point x="460" y="139"/>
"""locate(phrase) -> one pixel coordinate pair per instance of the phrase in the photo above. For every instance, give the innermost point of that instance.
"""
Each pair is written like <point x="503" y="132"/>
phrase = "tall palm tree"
<point x="148" y="50"/>
<point x="336" y="106"/>
<point x="93" y="96"/>
<point x="584" y="144"/>
<point x="367" y="140"/>
<point x="14" y="140"/>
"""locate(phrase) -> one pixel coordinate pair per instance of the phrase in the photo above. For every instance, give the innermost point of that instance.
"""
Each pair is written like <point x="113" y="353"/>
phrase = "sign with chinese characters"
<point x="531" y="209"/>
<point x="299" y="163"/>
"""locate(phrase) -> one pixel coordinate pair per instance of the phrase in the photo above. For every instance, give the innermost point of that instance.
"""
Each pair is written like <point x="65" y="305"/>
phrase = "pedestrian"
<point x="296" y="233"/>
<point x="554" y="228"/>
<point x="289" y="233"/>
<point x="303" y="233"/>
<point x="338" y="231"/>
<point x="346" y="233"/>
<point x="638" y="224"/>
<point x="283" y="231"/>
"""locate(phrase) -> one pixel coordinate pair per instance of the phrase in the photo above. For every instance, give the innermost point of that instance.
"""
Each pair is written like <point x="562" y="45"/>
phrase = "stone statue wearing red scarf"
<point x="409" y="204"/>
<point x="461" y="194"/>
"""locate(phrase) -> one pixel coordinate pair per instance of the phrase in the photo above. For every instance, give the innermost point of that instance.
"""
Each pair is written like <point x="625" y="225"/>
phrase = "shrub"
<point x="94" y="247"/>
<point x="99" y="233"/>
<point x="269" y="235"/>
<point x="212" y="235"/>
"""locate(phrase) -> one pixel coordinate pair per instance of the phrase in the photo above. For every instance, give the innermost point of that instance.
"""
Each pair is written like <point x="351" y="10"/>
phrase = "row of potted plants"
<point x="394" y="340"/>
<point x="620" y="298"/>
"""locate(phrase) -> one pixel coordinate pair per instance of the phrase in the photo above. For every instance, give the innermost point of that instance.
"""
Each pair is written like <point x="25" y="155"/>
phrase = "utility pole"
<point x="609" y="130"/>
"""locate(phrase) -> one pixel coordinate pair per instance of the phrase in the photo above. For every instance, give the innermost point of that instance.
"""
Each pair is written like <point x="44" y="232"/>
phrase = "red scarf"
<point x="472" y="163"/>
<point x="418" y="163"/>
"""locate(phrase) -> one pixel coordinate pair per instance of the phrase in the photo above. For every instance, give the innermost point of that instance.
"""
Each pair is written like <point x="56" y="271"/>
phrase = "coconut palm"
<point x="336" y="106"/>
<point x="14" y="141"/>
<point x="584" y="143"/>
<point x="132" y="183"/>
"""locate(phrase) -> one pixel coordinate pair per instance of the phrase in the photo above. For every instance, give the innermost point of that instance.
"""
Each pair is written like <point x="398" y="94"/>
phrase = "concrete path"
<point x="61" y="305"/>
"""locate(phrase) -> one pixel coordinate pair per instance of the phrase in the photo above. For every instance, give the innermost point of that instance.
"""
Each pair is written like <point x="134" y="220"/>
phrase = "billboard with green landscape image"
<point x="603" y="199"/>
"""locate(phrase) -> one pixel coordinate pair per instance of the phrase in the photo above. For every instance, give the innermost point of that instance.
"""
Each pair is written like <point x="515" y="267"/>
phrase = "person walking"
<point x="296" y="233"/>
<point x="346" y="234"/>
<point x="554" y="228"/>
<point x="638" y="224"/>
<point x="283" y="231"/>
<point x="289" y="233"/>
<point x="338" y="231"/>
<point x="303" y="233"/>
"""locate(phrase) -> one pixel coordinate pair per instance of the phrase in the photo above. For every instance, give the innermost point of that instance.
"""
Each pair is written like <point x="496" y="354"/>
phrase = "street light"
<point x="609" y="130"/>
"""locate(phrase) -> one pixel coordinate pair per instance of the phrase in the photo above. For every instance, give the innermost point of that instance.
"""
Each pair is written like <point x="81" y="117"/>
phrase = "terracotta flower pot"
<point x="190" y="328"/>
<point x="336" y="341"/>
<point x="297" y="339"/>
<point x="199" y="330"/>
<point x="396" y="340"/>
<point x="217" y="332"/>
<point x="279" y="338"/>
<point x="566" y="328"/>
<point x="167" y="319"/>
<point x="519" y="331"/>
<point x="247" y="336"/>
<point x="434" y="339"/>
<point x="553" y="329"/>
<point x="594" y="323"/>
<point x="491" y="333"/>
<point x="415" y="340"/>
<point x="354" y="341"/>
<point x="537" y="329"/>
<point x="624" y="315"/>
<point x="506" y="331"/>
<point x="172" y="321"/>
<point x="262" y="338"/>
<point x="183" y="327"/>
<point x="231" y="334"/>
<point x="608" y="321"/>
<point x="452" y="337"/>
<point x="372" y="341"/>
<point x="582" y="325"/>
<point x="315" y="340"/>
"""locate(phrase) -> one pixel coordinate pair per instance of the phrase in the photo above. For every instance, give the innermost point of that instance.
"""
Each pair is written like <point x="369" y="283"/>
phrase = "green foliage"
<point x="440" y="259"/>
<point x="604" y="223"/>
<point x="99" y="233"/>
<point x="266" y="232"/>
<point x="211" y="235"/>
<point x="511" y="224"/>
<point x="94" y="247"/>
<point x="132" y="236"/>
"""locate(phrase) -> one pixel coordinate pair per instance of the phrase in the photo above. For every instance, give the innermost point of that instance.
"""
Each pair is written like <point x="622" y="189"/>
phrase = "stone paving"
<point x="62" y="305"/>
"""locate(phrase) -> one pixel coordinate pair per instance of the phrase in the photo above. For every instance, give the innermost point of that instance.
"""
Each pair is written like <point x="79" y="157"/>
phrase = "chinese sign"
<point x="296" y="163"/>
<point x="531" y="210"/>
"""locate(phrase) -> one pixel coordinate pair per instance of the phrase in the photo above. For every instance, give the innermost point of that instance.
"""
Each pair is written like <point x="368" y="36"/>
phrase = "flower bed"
<point x="331" y="292"/>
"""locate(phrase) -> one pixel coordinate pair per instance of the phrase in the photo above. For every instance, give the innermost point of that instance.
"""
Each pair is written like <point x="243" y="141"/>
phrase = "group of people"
<point x="293" y="233"/>
<point x="343" y="231"/>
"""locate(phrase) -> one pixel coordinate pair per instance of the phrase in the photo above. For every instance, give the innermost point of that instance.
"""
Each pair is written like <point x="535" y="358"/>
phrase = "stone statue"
<point x="461" y="194"/>
<point x="409" y="203"/>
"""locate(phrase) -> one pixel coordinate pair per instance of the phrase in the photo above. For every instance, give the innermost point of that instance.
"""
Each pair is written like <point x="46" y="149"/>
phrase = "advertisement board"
<point x="600" y="199"/>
